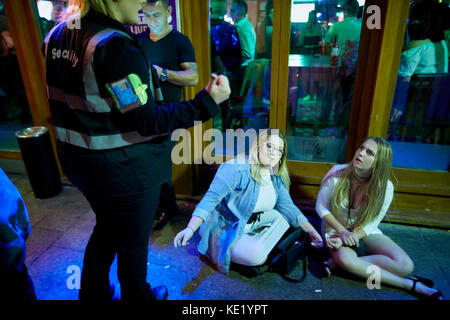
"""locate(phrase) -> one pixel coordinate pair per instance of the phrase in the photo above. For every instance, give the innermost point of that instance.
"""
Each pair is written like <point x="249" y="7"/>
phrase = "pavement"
<point x="61" y="227"/>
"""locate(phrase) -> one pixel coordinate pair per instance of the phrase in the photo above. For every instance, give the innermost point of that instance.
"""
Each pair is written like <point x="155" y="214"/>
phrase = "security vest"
<point x="81" y="115"/>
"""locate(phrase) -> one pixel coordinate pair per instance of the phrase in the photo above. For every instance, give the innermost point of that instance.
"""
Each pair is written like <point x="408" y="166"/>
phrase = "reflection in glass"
<point x="14" y="110"/>
<point x="322" y="65"/>
<point x="419" y="128"/>
<point x="49" y="13"/>
<point x="241" y="46"/>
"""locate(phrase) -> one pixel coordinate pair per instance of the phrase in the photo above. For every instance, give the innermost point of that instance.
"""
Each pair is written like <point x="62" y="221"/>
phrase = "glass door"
<point x="241" y="48"/>
<point x="324" y="42"/>
<point x="419" y="126"/>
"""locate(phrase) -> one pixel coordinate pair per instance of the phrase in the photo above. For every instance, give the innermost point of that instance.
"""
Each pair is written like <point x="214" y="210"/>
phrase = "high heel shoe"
<point x="325" y="270"/>
<point x="435" y="296"/>
<point x="425" y="281"/>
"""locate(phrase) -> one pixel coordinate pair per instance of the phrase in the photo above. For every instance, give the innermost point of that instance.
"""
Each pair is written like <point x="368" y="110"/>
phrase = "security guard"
<point x="109" y="132"/>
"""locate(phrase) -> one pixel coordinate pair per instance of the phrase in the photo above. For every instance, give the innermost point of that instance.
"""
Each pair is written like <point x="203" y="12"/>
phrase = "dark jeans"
<point x="123" y="227"/>
<point x="16" y="286"/>
<point x="347" y="85"/>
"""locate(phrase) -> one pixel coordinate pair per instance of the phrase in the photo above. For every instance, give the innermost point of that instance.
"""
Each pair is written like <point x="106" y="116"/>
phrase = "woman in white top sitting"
<point x="352" y="201"/>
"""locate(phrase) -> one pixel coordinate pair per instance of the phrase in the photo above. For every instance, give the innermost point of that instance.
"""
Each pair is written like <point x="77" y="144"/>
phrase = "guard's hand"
<point x="181" y="239"/>
<point x="218" y="88"/>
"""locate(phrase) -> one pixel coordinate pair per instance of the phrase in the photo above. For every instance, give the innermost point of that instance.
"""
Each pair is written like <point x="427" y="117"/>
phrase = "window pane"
<point x="241" y="46"/>
<point x="419" y="128"/>
<point x="14" y="110"/>
<point x="322" y="64"/>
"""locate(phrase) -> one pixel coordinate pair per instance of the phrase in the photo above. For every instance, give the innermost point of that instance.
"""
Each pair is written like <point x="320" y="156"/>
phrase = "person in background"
<point x="310" y="38"/>
<point x="102" y="95"/>
<point x="247" y="35"/>
<point x="247" y="208"/>
<point x="16" y="284"/>
<point x="311" y="35"/>
<point x="226" y="55"/>
<point x="347" y="34"/>
<point x="352" y="201"/>
<point x="225" y="40"/>
<point x="173" y="57"/>
<point x="269" y="29"/>
<point x="425" y="53"/>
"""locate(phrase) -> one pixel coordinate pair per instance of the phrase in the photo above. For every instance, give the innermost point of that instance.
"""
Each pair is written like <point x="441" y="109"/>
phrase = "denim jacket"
<point x="227" y="206"/>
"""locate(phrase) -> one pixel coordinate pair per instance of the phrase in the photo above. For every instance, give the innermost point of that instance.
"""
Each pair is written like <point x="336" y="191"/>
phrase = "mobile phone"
<point x="128" y="93"/>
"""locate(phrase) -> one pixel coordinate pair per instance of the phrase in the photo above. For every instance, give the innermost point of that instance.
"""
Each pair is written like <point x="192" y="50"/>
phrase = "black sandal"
<point x="425" y="281"/>
<point x="435" y="296"/>
<point x="325" y="270"/>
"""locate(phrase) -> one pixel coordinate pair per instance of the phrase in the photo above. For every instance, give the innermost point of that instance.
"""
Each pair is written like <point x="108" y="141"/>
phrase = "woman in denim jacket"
<point x="247" y="208"/>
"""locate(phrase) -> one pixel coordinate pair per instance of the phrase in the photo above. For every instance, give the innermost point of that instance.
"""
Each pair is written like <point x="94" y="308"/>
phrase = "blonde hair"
<point x="83" y="6"/>
<point x="376" y="188"/>
<point x="255" y="165"/>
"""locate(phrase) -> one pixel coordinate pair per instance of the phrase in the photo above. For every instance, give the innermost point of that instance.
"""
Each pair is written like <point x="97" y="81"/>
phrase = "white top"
<point x="267" y="196"/>
<point x="247" y="39"/>
<point x="430" y="57"/>
<point x="324" y="206"/>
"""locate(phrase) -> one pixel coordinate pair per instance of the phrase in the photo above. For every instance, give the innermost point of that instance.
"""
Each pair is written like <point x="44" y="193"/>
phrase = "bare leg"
<point x="386" y="254"/>
<point x="252" y="250"/>
<point x="348" y="260"/>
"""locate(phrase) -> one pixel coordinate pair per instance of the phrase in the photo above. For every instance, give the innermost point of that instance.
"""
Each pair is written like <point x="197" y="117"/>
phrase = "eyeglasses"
<point x="272" y="149"/>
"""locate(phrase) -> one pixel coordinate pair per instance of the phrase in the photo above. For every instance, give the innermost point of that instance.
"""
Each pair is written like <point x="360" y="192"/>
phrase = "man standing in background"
<point x="347" y="34"/>
<point x="172" y="55"/>
<point x="247" y="35"/>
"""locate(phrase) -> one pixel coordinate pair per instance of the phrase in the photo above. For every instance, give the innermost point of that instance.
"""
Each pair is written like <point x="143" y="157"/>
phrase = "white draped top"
<point x="324" y="206"/>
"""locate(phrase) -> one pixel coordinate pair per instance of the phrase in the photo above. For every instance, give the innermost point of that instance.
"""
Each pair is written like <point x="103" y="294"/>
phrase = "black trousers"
<point x="347" y="84"/>
<point x="168" y="199"/>
<point x="123" y="227"/>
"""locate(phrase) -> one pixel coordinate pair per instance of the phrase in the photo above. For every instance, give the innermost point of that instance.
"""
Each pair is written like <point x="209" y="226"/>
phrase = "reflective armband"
<point x="128" y="93"/>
